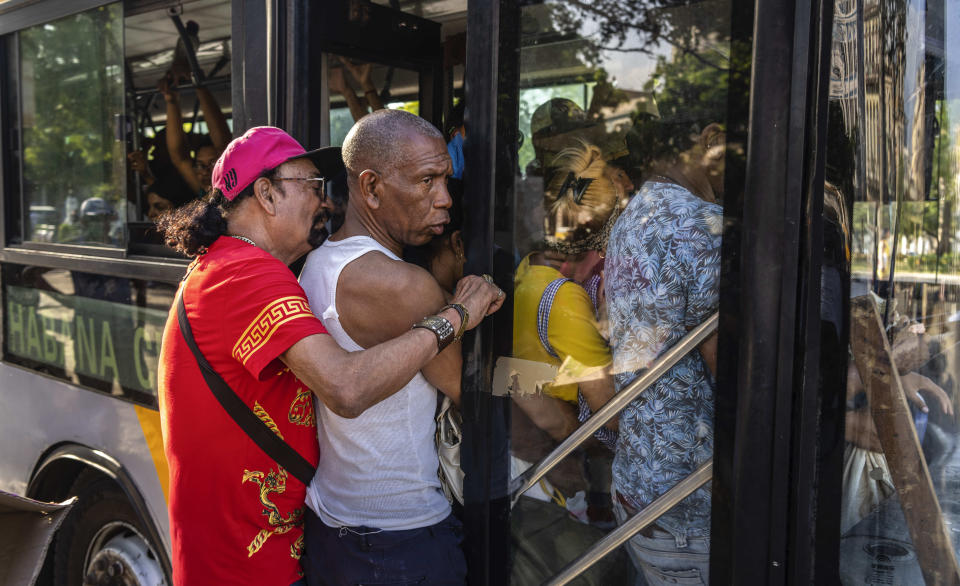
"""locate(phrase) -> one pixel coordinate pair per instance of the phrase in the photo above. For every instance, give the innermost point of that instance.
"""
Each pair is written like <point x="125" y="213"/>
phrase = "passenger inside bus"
<point x="662" y="279"/>
<point x="165" y="194"/>
<point x="173" y="165"/>
<point x="456" y="133"/>
<point x="557" y="124"/>
<point x="582" y="204"/>
<point x="867" y="481"/>
<point x="196" y="171"/>
<point x="544" y="532"/>
<point x="558" y="305"/>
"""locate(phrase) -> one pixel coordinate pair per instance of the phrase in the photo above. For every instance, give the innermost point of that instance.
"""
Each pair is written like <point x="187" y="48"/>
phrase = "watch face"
<point x="439" y="325"/>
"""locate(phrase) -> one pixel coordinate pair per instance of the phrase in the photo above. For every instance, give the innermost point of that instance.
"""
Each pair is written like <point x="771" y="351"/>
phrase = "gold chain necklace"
<point x="243" y="238"/>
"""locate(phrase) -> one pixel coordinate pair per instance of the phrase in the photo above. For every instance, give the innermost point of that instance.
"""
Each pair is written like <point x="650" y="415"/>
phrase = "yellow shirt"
<point x="572" y="329"/>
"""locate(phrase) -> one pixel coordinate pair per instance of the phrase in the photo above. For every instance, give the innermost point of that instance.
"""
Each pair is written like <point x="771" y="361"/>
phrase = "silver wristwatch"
<point x="441" y="327"/>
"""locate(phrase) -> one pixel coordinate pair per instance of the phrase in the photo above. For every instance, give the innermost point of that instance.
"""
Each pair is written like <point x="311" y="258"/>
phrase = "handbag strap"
<point x="269" y="441"/>
<point x="605" y="435"/>
<point x="543" y="312"/>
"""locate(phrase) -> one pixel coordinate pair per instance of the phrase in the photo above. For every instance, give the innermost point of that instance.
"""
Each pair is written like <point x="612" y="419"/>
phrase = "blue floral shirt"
<point x="661" y="276"/>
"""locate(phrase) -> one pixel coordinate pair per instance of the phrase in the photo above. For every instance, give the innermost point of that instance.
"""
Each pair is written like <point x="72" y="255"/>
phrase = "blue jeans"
<point x="349" y="556"/>
<point x="658" y="558"/>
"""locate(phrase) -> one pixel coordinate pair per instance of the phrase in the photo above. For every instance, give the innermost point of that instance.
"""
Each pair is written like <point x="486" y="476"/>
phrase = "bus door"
<point x="588" y="444"/>
<point x="367" y="56"/>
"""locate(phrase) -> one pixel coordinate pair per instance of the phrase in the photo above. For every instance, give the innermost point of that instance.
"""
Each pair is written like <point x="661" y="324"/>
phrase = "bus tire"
<point x="102" y="542"/>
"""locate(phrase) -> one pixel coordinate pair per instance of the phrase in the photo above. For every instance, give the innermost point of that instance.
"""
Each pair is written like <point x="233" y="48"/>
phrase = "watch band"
<point x="464" y="318"/>
<point x="441" y="328"/>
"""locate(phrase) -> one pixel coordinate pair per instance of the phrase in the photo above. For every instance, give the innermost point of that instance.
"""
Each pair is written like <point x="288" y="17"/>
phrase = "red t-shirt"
<point x="235" y="516"/>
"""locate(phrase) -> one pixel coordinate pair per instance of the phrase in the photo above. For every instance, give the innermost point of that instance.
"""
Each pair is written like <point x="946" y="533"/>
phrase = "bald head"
<point x="378" y="139"/>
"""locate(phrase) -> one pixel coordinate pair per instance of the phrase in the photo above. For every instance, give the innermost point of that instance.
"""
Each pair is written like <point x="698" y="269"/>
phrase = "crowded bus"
<point x="727" y="233"/>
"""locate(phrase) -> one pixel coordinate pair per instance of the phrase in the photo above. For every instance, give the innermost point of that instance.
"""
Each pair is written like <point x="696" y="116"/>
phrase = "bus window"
<point x="358" y="87"/>
<point x="100" y="93"/>
<point x="890" y="260"/>
<point x="71" y="99"/>
<point x="179" y="115"/>
<point x="613" y="247"/>
<point x="99" y="163"/>
<point x="99" y="331"/>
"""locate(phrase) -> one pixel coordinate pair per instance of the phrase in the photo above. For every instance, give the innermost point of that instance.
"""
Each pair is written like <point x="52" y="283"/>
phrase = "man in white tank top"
<point x="378" y="510"/>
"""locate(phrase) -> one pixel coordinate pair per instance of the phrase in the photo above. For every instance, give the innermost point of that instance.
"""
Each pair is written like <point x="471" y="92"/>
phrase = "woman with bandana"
<point x="558" y="315"/>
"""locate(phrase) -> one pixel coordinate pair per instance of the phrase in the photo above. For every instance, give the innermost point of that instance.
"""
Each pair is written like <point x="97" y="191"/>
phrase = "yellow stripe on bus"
<point x="150" y="424"/>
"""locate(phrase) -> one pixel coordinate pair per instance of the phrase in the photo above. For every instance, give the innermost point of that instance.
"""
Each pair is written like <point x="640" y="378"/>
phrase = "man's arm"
<point x="361" y="72"/>
<point x="350" y="382"/>
<point x="597" y="392"/>
<point x="338" y="83"/>
<point x="379" y="299"/>
<point x="557" y="418"/>
<point x="708" y="349"/>
<point x="216" y="121"/>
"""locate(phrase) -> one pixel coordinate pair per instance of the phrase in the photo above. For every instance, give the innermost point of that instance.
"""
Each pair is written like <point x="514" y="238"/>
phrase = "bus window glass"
<point x="358" y="87"/>
<point x="179" y="119"/>
<point x="98" y="163"/>
<point x="892" y="246"/>
<point x="613" y="254"/>
<point x="71" y="79"/>
<point x="99" y="331"/>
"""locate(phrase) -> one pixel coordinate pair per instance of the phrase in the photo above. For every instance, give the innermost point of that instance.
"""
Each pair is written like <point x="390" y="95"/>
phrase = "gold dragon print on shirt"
<point x="271" y="482"/>
<point x="296" y="550"/>
<point x="301" y="410"/>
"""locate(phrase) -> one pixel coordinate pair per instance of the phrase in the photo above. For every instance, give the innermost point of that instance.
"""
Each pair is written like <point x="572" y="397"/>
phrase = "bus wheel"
<point x="102" y="542"/>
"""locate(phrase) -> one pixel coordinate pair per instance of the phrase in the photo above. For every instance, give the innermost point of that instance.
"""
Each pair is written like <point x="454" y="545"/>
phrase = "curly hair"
<point x="580" y="200"/>
<point x="192" y="228"/>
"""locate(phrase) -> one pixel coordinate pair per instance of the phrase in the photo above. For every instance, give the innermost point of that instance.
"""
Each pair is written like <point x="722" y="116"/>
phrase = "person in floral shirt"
<point x="661" y="276"/>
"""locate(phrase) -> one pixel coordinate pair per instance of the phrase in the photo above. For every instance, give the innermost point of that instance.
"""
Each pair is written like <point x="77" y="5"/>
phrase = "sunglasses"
<point x="317" y="183"/>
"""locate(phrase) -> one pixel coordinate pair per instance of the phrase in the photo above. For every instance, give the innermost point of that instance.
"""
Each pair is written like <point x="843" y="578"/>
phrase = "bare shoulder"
<point x="379" y="298"/>
<point x="376" y="273"/>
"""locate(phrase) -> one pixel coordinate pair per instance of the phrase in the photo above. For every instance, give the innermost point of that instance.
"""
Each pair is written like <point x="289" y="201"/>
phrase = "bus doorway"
<point x="368" y="56"/>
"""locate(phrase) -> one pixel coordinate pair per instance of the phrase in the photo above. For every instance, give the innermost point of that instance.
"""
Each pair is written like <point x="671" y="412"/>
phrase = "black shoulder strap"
<point x="271" y="443"/>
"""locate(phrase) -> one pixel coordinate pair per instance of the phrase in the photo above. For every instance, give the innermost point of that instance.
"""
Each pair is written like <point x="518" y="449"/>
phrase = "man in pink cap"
<point x="235" y="513"/>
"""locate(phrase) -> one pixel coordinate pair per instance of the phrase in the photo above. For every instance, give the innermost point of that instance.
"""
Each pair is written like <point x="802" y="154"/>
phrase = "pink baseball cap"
<point x="263" y="148"/>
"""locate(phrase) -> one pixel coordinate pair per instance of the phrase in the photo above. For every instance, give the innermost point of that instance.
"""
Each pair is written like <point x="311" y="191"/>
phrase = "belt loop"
<point x="681" y="539"/>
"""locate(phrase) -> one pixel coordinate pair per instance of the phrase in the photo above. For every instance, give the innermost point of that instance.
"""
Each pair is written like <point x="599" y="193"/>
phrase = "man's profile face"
<point x="301" y="208"/>
<point x="415" y="199"/>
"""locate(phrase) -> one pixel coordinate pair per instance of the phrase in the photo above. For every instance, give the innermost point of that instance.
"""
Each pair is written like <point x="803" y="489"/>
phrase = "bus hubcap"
<point x="119" y="556"/>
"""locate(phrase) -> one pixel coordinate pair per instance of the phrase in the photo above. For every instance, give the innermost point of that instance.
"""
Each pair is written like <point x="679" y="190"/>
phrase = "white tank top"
<point x="379" y="469"/>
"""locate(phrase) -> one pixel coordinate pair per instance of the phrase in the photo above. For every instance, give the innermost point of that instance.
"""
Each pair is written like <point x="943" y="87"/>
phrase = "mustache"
<point x="318" y="232"/>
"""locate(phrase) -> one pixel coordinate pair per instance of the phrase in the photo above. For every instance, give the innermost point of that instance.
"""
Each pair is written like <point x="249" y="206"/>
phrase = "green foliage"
<point x="690" y="91"/>
<point x="644" y="26"/>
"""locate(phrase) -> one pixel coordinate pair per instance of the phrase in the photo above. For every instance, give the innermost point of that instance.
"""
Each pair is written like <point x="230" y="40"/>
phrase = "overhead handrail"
<point x="636" y="524"/>
<point x="658" y="368"/>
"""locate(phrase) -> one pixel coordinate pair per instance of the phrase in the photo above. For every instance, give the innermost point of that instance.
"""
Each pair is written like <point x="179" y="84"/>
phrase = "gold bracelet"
<point x="464" y="318"/>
